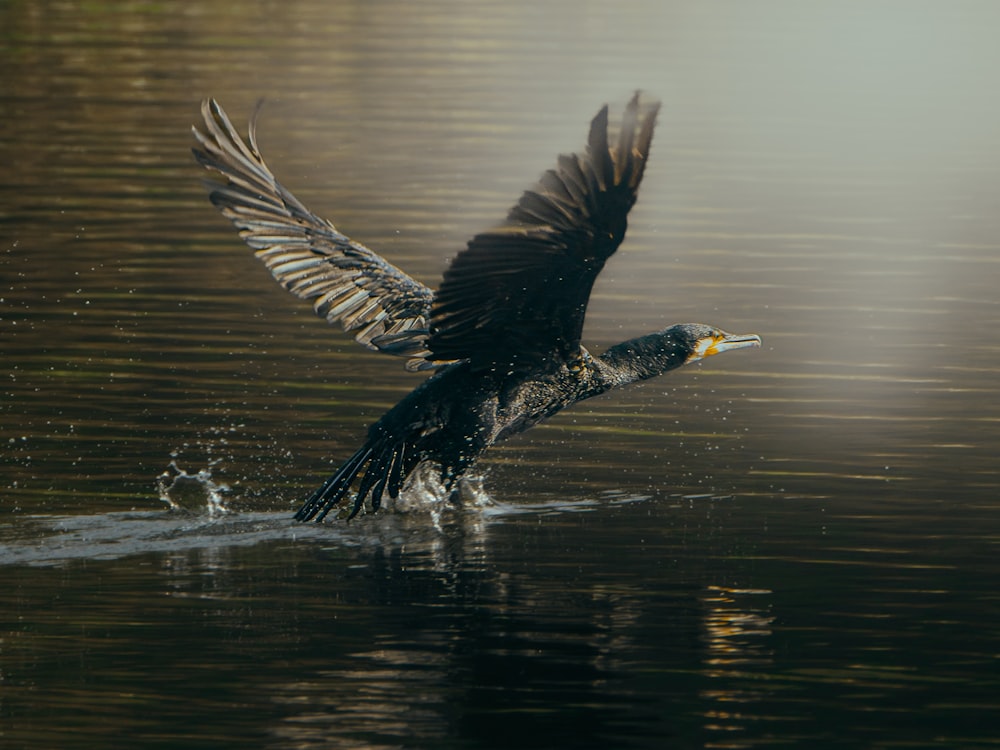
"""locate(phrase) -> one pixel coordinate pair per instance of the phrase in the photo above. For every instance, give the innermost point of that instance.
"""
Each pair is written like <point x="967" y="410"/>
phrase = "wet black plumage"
<point x="503" y="330"/>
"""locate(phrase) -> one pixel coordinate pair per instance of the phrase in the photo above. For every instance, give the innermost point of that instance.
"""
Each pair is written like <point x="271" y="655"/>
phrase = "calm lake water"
<point x="791" y="546"/>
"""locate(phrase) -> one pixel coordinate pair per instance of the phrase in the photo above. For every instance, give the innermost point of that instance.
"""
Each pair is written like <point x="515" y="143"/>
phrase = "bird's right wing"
<point x="383" y="307"/>
<point x="517" y="295"/>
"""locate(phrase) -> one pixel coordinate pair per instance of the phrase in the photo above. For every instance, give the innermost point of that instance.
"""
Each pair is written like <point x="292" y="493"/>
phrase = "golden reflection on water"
<point x="734" y="621"/>
<point x="737" y="634"/>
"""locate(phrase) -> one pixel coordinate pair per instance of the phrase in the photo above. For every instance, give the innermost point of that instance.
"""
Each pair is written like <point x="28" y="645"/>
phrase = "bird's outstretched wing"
<point x="517" y="295"/>
<point x="383" y="307"/>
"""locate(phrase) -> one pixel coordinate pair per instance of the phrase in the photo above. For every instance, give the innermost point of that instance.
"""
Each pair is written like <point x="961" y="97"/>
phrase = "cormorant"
<point x="503" y="330"/>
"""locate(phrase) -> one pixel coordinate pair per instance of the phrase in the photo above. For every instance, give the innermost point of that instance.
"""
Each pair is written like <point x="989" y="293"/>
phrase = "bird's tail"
<point x="382" y="466"/>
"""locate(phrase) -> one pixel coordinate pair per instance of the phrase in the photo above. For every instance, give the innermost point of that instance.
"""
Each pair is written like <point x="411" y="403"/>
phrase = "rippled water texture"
<point x="795" y="545"/>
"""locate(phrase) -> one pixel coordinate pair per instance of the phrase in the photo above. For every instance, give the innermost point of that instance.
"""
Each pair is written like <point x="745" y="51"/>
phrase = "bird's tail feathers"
<point x="382" y="468"/>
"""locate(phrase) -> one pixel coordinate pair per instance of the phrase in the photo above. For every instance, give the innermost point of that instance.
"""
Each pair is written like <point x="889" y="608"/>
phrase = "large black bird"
<point x="504" y="328"/>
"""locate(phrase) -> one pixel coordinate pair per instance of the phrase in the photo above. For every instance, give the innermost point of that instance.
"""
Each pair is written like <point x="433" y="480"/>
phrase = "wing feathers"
<point x="518" y="293"/>
<point x="347" y="282"/>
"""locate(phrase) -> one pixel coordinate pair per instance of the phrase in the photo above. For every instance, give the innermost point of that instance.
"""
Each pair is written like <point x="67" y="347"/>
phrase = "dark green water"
<point x="792" y="546"/>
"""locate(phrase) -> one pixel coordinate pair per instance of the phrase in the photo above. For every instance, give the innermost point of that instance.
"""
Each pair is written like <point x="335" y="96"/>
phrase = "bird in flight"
<point x="502" y="332"/>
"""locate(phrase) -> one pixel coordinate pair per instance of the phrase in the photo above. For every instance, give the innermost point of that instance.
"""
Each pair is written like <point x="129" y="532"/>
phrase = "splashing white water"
<point x="191" y="493"/>
<point x="424" y="493"/>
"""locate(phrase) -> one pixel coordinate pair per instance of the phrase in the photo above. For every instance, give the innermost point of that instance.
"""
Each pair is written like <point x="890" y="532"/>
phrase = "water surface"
<point x="795" y="545"/>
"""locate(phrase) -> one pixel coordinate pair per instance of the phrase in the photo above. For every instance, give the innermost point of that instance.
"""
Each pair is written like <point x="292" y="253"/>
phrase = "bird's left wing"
<point x="384" y="308"/>
<point x="517" y="295"/>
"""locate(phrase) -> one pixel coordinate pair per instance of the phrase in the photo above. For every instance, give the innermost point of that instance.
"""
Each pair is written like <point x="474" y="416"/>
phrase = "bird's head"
<point x="702" y="341"/>
<point x="656" y="353"/>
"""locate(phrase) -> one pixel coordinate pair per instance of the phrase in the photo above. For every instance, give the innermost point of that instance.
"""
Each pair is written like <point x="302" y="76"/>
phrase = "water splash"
<point x="191" y="493"/>
<point x="425" y="493"/>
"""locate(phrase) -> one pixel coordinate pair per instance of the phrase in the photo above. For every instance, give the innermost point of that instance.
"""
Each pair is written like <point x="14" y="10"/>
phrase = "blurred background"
<point x="823" y="174"/>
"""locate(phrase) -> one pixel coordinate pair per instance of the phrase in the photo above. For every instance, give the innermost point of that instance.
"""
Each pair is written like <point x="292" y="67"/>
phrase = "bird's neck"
<point x="641" y="358"/>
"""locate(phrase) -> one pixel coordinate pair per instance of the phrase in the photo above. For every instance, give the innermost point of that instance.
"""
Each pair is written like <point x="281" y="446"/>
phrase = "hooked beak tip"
<point x="727" y="342"/>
